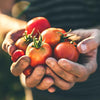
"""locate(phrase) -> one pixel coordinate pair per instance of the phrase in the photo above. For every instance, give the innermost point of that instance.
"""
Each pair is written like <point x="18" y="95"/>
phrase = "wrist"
<point x="8" y="24"/>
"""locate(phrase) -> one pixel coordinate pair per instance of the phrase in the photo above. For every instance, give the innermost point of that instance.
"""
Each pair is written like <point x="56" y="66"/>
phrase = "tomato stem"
<point x="63" y="36"/>
<point x="37" y="42"/>
<point x="29" y="37"/>
<point x="72" y="42"/>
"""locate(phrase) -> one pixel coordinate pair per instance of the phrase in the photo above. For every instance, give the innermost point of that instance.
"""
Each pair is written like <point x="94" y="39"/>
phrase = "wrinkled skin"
<point x="64" y="73"/>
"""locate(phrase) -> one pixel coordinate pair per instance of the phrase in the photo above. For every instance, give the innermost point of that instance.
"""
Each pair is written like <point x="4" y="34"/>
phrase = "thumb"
<point x="87" y="45"/>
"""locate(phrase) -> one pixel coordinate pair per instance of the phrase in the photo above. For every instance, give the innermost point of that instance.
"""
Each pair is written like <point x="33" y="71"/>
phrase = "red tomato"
<point x="66" y="50"/>
<point x="28" y="71"/>
<point x="17" y="54"/>
<point x="53" y="36"/>
<point x="38" y="55"/>
<point x="37" y="23"/>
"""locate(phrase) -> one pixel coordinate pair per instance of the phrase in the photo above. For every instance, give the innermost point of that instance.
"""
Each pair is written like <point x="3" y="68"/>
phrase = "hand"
<point x="65" y="72"/>
<point x="36" y="79"/>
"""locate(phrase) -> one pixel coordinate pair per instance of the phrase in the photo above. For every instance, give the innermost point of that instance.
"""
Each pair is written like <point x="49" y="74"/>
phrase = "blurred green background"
<point x="10" y="87"/>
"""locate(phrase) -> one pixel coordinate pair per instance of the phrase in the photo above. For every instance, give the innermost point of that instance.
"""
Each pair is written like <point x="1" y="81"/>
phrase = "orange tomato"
<point x="52" y="36"/>
<point x="38" y="55"/>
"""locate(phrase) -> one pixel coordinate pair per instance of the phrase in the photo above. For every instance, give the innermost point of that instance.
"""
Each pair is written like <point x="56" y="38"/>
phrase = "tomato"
<point x="38" y="23"/>
<point x="17" y="54"/>
<point x="28" y="71"/>
<point x="66" y="50"/>
<point x="23" y="42"/>
<point x="38" y="52"/>
<point x="53" y="36"/>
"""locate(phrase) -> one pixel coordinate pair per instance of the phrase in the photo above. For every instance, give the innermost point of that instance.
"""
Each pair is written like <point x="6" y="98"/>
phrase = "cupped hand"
<point x="65" y="72"/>
<point x="36" y="79"/>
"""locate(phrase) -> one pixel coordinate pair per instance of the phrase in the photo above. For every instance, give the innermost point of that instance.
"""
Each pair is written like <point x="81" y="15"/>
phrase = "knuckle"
<point x="60" y="72"/>
<point x="14" y="71"/>
<point x="4" y="46"/>
<point x="30" y="83"/>
<point x="83" y="79"/>
<point x="83" y="73"/>
<point x="39" y="74"/>
<point x="71" y="78"/>
<point x="83" y="76"/>
<point x="23" y="62"/>
<point x="67" y="87"/>
<point x="96" y="31"/>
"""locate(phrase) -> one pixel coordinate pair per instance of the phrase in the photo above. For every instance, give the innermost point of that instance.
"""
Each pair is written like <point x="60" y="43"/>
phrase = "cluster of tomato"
<point x="41" y="41"/>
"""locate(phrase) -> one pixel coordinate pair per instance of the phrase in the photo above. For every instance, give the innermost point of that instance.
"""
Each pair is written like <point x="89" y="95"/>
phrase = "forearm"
<point x="8" y="23"/>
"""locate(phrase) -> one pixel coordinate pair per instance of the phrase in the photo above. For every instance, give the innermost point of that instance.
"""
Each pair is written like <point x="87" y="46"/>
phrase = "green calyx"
<point x="72" y="42"/>
<point x="29" y="37"/>
<point x="37" y="42"/>
<point x="63" y="36"/>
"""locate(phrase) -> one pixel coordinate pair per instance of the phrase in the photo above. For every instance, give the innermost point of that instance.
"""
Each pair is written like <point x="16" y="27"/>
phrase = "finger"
<point x="35" y="78"/>
<point x="83" y="33"/>
<point x="11" y="49"/>
<point x="64" y="85"/>
<point x="87" y="45"/>
<point x="6" y="43"/>
<point x="51" y="89"/>
<point x="20" y="65"/>
<point x="22" y="79"/>
<point x="73" y="68"/>
<point x="10" y="39"/>
<point x="14" y="35"/>
<point x="91" y="65"/>
<point x="46" y="83"/>
<point x="52" y="63"/>
<point x="90" y="39"/>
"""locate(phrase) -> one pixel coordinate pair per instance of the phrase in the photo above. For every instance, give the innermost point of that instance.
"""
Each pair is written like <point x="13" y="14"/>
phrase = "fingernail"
<point x="83" y="48"/>
<point x="48" y="60"/>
